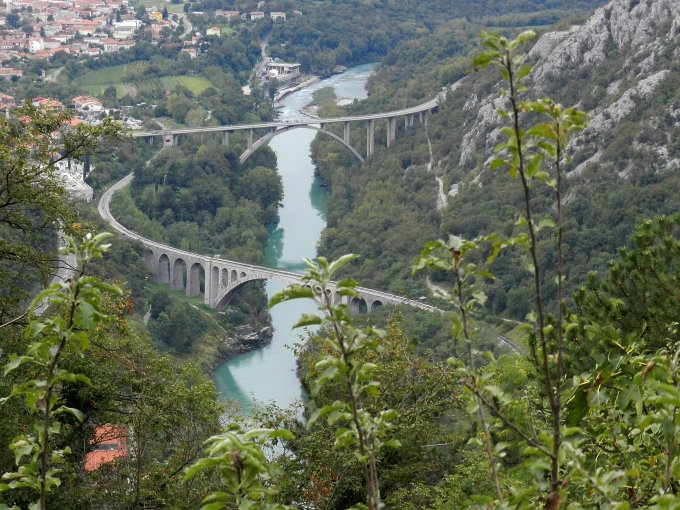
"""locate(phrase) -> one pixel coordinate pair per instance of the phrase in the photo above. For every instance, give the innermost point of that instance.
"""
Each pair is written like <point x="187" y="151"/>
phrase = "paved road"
<point x="432" y="103"/>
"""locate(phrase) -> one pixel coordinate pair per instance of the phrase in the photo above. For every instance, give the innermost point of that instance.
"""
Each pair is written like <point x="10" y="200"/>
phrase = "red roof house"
<point x="110" y="443"/>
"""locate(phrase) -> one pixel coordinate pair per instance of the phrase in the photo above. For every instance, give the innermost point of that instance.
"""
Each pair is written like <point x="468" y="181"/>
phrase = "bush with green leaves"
<point x="75" y="310"/>
<point x="356" y="427"/>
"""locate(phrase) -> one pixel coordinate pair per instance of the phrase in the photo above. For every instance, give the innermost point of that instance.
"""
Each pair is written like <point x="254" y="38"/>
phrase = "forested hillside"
<point x="619" y="66"/>
<point x="324" y="34"/>
<point x="574" y="406"/>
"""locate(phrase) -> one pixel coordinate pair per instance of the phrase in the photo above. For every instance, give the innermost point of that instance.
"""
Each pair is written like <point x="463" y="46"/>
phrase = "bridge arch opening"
<point x="358" y="306"/>
<point x="376" y="304"/>
<point x="222" y="305"/>
<point x="266" y="138"/>
<point x="195" y="283"/>
<point x="178" y="275"/>
<point x="163" y="269"/>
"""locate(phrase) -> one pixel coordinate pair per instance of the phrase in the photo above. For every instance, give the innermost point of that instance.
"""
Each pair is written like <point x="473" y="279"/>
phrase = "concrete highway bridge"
<point x="272" y="129"/>
<point x="183" y="270"/>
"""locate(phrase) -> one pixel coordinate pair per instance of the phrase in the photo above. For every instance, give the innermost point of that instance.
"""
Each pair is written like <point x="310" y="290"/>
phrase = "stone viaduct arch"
<point x="217" y="279"/>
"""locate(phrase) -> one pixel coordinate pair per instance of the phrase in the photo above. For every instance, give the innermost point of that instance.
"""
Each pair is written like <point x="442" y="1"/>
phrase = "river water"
<point x="268" y="374"/>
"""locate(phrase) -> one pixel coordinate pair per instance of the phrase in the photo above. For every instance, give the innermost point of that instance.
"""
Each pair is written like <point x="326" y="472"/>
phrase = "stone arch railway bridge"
<point x="182" y="270"/>
<point x="271" y="129"/>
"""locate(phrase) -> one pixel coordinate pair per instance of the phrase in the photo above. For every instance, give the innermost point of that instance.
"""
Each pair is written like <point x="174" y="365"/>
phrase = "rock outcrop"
<point x="612" y="66"/>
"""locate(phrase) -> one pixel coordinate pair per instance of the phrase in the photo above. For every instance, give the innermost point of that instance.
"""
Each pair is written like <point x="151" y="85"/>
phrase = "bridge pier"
<point x="149" y="140"/>
<point x="391" y="130"/>
<point x="370" y="137"/>
<point x="171" y="137"/>
<point x="177" y="275"/>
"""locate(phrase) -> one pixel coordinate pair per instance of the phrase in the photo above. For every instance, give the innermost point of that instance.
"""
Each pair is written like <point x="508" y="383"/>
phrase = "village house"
<point x="111" y="45"/>
<point x="121" y="32"/>
<point x="87" y="103"/>
<point x="36" y="44"/>
<point x="213" y="31"/>
<point x="192" y="52"/>
<point x="256" y="15"/>
<point x="48" y="53"/>
<point x="6" y="101"/>
<point x="6" y="55"/>
<point x="110" y="442"/>
<point x="46" y="102"/>
<point x="278" y="16"/>
<point x="227" y="14"/>
<point x="15" y="44"/>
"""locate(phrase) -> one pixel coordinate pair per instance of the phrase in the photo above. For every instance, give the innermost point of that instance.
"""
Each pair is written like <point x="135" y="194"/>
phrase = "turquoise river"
<point x="269" y="374"/>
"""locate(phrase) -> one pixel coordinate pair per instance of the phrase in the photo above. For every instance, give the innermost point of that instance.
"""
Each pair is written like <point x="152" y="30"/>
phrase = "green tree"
<point x="12" y="20"/>
<point x="357" y="427"/>
<point x="248" y="479"/>
<point x="77" y="307"/>
<point x="33" y="201"/>
<point x="422" y="393"/>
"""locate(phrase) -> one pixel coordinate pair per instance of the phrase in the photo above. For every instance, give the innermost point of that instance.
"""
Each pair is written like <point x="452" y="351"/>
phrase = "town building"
<point x="110" y="442"/>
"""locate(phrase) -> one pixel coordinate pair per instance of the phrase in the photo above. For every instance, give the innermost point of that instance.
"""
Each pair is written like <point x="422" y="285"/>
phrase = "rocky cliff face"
<point x="641" y="28"/>
<point x="622" y="66"/>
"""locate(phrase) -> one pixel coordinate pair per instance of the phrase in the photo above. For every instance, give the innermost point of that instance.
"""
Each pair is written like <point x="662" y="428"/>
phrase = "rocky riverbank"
<point x="245" y="339"/>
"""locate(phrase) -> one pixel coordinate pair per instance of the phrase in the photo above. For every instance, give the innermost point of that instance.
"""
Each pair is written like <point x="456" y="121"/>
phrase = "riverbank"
<point x="284" y="91"/>
<point x="247" y="339"/>
<point x="270" y="374"/>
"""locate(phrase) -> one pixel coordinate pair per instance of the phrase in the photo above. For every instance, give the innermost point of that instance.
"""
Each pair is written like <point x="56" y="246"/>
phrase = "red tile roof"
<point x="110" y="442"/>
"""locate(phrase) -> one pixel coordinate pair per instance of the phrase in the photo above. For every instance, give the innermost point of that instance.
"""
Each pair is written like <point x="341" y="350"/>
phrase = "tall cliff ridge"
<point x="622" y="66"/>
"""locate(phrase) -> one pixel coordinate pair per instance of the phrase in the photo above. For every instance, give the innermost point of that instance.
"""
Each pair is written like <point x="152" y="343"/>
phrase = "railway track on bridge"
<point x="218" y="288"/>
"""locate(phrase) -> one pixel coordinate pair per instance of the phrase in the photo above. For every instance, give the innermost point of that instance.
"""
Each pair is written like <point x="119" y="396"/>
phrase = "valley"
<point x="550" y="224"/>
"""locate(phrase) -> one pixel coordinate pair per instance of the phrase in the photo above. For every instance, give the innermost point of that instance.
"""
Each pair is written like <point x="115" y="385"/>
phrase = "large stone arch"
<point x="266" y="138"/>
<point x="178" y="274"/>
<point x="222" y="299"/>
<point x="163" y="269"/>
<point x="195" y="276"/>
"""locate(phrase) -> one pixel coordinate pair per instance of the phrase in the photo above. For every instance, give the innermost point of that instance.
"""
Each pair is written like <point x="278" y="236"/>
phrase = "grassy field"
<point x="130" y="79"/>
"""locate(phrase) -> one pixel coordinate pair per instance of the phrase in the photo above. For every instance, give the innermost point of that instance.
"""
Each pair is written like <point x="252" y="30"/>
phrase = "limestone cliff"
<point x="622" y="66"/>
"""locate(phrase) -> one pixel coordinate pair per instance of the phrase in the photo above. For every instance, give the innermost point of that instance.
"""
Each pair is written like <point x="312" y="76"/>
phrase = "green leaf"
<point x="340" y="262"/>
<point x="308" y="320"/>
<point x="16" y="362"/>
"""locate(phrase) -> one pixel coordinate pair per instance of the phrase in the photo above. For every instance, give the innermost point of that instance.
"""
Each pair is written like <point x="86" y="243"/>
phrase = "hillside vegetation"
<point x="575" y="404"/>
<point x="624" y="167"/>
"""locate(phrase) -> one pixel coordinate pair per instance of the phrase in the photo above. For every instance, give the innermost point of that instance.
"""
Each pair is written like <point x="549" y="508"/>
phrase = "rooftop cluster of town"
<point x="40" y="28"/>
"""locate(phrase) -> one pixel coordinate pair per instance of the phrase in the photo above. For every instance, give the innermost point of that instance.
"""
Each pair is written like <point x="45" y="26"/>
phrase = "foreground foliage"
<point x="33" y="202"/>
<point x="77" y="307"/>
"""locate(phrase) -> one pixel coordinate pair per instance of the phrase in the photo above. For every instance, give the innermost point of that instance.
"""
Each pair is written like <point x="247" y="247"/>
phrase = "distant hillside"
<point x="330" y="33"/>
<point x="620" y="65"/>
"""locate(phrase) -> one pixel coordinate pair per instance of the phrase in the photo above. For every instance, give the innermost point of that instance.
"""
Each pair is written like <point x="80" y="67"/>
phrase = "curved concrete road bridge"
<point x="183" y="270"/>
<point x="272" y="129"/>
